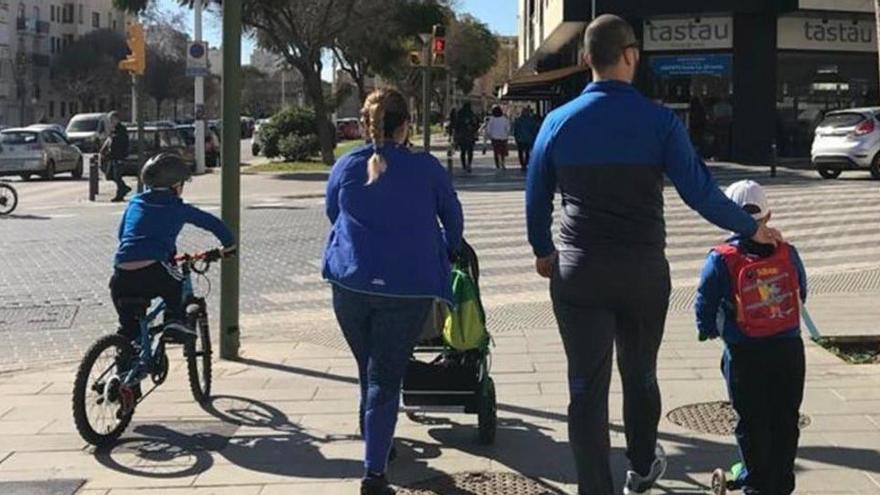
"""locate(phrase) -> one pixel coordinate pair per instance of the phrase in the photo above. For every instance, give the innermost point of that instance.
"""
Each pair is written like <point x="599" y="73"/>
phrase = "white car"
<point x="49" y="127"/>
<point x="848" y="140"/>
<point x="26" y="152"/>
<point x="88" y="131"/>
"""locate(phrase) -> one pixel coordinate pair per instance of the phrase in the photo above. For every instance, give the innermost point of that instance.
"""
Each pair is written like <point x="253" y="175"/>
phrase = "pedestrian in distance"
<point x="388" y="262"/>
<point x="115" y="149"/>
<point x="610" y="281"/>
<point x="465" y="133"/>
<point x="498" y="132"/>
<point x="750" y="296"/>
<point x="525" y="129"/>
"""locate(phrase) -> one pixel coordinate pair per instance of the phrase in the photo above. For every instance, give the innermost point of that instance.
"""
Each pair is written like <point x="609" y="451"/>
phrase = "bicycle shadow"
<point x="270" y="444"/>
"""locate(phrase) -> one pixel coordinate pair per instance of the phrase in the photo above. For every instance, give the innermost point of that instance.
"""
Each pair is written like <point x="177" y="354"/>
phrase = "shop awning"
<point x="538" y="86"/>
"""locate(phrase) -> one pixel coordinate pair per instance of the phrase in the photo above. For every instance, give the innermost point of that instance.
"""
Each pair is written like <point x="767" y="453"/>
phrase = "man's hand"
<point x="544" y="266"/>
<point x="767" y="235"/>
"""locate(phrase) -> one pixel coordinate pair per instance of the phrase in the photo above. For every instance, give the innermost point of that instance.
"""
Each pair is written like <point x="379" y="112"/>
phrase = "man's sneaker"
<point x="637" y="484"/>
<point x="376" y="485"/>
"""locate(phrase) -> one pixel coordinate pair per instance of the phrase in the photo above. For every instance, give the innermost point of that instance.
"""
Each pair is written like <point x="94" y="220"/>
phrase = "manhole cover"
<point x="480" y="484"/>
<point x="35" y="318"/>
<point x="714" y="418"/>
<point x="50" y="487"/>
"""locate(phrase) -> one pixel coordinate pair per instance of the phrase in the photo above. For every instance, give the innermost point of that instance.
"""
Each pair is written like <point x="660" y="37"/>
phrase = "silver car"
<point x="848" y="140"/>
<point x="26" y="152"/>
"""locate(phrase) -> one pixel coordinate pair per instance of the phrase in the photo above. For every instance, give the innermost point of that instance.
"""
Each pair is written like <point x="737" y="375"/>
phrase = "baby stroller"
<point x="441" y="378"/>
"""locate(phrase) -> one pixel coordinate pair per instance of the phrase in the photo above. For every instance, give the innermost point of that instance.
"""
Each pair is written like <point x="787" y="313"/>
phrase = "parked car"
<point x="26" y="152"/>
<point x="49" y="127"/>
<point x="847" y="140"/>
<point x="348" y="129"/>
<point x="88" y="131"/>
<point x="212" y="143"/>
<point x="156" y="140"/>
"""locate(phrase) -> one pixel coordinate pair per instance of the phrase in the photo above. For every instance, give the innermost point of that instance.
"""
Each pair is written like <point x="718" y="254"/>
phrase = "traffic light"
<point x="136" y="62"/>
<point x="438" y="46"/>
<point x="415" y="58"/>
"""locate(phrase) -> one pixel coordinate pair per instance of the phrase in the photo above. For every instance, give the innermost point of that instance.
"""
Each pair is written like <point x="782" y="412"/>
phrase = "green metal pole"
<point x="231" y="178"/>
<point x="137" y="83"/>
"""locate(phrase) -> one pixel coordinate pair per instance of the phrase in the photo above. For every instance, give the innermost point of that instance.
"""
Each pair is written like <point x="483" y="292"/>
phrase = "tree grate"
<point x="713" y="418"/>
<point x="481" y="483"/>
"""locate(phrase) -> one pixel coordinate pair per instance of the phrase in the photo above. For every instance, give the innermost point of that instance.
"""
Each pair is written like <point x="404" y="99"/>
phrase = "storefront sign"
<point x="689" y="65"/>
<point x="841" y="5"/>
<point x="693" y="33"/>
<point x="830" y="34"/>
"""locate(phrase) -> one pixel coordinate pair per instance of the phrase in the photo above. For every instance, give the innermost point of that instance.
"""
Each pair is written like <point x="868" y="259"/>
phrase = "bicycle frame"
<point x="149" y="343"/>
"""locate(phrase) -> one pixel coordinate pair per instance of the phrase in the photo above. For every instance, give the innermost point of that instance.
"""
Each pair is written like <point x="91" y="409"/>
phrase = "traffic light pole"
<point x="199" y="111"/>
<point x="231" y="176"/>
<point x="426" y="99"/>
<point x="137" y="115"/>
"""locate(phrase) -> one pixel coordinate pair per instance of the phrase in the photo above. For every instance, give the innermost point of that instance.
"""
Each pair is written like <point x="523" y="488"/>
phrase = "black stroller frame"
<point x="454" y="381"/>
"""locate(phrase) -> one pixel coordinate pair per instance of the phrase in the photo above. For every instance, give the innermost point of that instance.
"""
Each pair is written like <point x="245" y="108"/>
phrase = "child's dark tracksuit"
<point x="765" y="377"/>
<point x="148" y="232"/>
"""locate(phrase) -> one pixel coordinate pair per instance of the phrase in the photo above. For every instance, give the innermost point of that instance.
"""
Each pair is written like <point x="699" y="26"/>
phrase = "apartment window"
<point x="63" y="109"/>
<point x="115" y="26"/>
<point x="21" y="11"/>
<point x="36" y="13"/>
<point x="52" y="13"/>
<point x="96" y="20"/>
<point x="51" y="109"/>
<point x="68" y="13"/>
<point x="82" y="14"/>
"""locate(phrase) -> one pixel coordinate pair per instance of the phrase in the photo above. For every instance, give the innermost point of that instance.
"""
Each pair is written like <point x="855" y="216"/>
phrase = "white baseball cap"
<point x="750" y="196"/>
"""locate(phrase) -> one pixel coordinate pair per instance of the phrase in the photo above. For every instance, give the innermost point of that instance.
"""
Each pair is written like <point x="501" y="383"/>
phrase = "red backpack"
<point x="765" y="290"/>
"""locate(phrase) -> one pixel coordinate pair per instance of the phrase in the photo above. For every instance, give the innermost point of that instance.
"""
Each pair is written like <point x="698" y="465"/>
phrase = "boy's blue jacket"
<point x="153" y="220"/>
<point x="607" y="151"/>
<point x="385" y="237"/>
<point x="714" y="305"/>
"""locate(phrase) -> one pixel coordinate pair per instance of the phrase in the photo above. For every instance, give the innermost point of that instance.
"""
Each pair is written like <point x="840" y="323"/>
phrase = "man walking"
<point x="607" y="151"/>
<point x="525" y="128"/>
<point x="116" y="150"/>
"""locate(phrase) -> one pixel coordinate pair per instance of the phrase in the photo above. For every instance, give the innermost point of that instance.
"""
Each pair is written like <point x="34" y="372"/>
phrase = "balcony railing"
<point x="42" y="27"/>
<point x="22" y="24"/>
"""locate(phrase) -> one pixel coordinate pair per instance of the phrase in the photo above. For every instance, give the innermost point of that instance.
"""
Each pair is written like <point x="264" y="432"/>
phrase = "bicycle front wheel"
<point x="198" y="360"/>
<point x="98" y="393"/>
<point x="8" y="199"/>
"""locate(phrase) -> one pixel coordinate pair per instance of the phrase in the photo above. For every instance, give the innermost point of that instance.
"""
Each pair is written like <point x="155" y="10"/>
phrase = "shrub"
<point x="292" y="121"/>
<point x="296" y="148"/>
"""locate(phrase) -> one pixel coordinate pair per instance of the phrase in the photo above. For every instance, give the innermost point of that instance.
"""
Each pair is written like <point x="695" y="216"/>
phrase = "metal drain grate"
<point x="480" y="484"/>
<point x="49" y="487"/>
<point x="36" y="318"/>
<point x="714" y="418"/>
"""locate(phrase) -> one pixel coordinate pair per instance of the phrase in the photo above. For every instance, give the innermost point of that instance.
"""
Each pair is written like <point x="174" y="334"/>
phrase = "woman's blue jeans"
<point x="381" y="332"/>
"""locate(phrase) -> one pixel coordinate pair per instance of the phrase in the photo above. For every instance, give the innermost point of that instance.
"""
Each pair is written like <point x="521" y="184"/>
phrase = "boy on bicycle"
<point x="750" y="295"/>
<point x="147" y="242"/>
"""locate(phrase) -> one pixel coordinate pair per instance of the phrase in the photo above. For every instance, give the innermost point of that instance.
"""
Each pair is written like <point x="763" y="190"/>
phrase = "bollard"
<point x="94" y="177"/>
<point x="774" y="158"/>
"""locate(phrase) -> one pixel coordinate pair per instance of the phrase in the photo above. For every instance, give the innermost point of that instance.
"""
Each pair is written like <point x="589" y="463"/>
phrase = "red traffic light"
<point x="439" y="47"/>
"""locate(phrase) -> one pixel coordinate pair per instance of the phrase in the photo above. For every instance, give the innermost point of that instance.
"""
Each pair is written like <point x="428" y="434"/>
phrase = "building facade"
<point x="762" y="72"/>
<point x="31" y="33"/>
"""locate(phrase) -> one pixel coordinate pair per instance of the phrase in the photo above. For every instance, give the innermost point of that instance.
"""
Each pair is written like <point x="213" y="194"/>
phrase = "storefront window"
<point x="812" y="84"/>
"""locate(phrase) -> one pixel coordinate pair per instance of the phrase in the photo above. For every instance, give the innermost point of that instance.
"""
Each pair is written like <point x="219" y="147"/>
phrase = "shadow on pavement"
<point x="303" y="176"/>
<point x="24" y="217"/>
<point x="161" y="453"/>
<point x="285" y="368"/>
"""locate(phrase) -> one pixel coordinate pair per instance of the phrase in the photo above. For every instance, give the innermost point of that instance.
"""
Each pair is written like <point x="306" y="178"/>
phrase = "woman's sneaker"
<point x="376" y="485"/>
<point x="637" y="484"/>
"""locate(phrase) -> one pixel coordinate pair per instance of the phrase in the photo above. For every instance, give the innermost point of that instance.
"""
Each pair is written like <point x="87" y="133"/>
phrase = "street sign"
<point x="197" y="59"/>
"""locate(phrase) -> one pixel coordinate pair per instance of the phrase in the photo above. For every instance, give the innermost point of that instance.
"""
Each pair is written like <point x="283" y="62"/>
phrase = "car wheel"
<point x="49" y="174"/>
<point x="875" y="166"/>
<point x="77" y="172"/>
<point x="830" y="173"/>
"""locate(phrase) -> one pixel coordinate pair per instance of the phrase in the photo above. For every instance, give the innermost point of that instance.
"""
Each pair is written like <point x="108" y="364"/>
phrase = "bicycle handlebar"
<point x="205" y="257"/>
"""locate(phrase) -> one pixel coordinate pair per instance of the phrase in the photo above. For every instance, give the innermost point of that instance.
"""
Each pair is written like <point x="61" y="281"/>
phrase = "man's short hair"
<point x="606" y="38"/>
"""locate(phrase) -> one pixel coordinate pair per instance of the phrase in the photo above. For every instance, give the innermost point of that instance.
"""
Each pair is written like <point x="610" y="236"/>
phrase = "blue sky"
<point x="500" y="15"/>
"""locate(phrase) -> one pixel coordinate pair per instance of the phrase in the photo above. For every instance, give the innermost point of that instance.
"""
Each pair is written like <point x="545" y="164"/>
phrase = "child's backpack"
<point x="465" y="326"/>
<point x="766" y="291"/>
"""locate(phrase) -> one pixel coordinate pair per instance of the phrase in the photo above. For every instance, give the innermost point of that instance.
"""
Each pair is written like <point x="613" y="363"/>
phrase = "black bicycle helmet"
<point x="165" y="170"/>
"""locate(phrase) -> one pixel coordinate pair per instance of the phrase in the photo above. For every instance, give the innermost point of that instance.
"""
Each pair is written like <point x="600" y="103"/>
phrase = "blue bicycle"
<point x="108" y="383"/>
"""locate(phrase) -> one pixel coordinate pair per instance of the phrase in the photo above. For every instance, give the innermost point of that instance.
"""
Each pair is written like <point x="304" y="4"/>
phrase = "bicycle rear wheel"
<point x="198" y="360"/>
<point x="98" y="393"/>
<point x="8" y="199"/>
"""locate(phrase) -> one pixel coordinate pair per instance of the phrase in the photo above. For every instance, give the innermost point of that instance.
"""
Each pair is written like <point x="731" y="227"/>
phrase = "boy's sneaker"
<point x="376" y="485"/>
<point x="637" y="484"/>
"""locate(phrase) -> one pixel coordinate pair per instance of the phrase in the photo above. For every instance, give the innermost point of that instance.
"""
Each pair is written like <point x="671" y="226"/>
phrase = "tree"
<point x="471" y="51"/>
<point x="87" y="68"/>
<point x="165" y="78"/>
<point x="378" y="42"/>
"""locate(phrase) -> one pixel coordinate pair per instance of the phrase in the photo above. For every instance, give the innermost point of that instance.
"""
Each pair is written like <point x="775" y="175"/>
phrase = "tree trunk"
<point x="361" y="82"/>
<point x="315" y="91"/>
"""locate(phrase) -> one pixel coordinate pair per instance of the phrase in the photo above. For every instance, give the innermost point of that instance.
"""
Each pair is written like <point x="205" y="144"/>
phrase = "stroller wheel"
<point x="719" y="482"/>
<point x="487" y="416"/>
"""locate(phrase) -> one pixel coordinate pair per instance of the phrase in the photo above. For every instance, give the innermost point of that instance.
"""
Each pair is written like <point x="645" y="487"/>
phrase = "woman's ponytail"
<point x="384" y="112"/>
